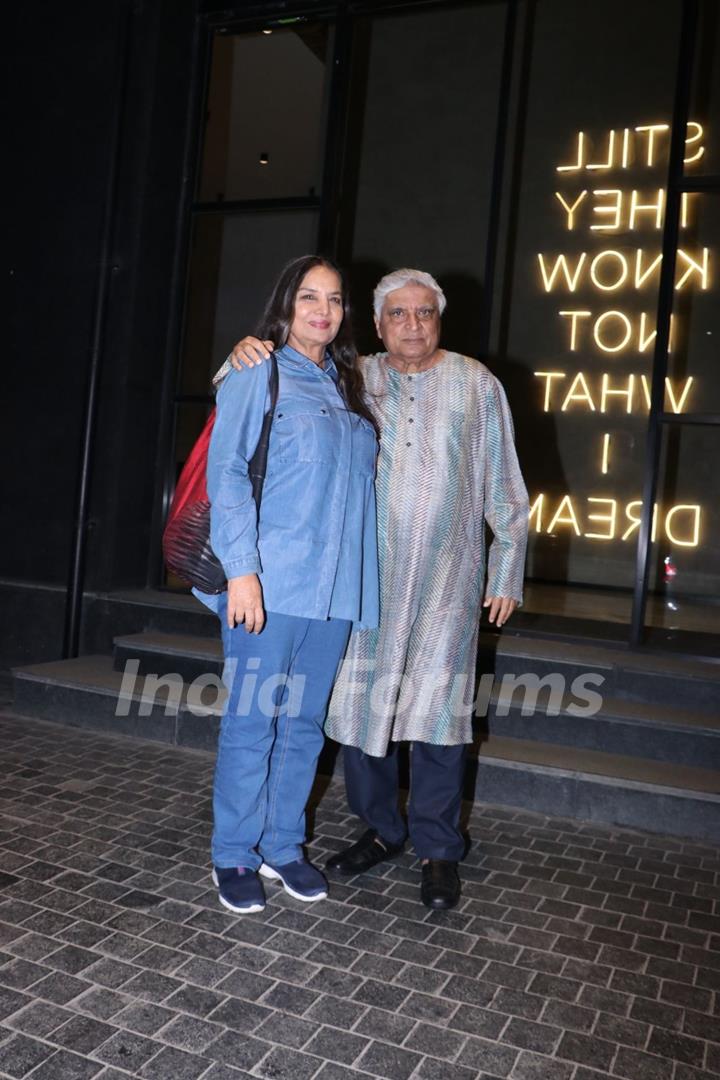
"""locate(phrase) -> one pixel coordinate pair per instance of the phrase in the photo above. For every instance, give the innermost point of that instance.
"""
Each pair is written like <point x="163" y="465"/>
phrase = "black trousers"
<point x="436" y="783"/>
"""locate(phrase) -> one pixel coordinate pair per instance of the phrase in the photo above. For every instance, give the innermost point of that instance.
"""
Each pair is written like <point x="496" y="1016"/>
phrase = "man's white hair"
<point x="396" y="279"/>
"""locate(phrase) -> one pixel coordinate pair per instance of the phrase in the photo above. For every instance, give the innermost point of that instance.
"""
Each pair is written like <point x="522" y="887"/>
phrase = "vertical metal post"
<point x="338" y="99"/>
<point x="671" y="231"/>
<point x="496" y="189"/>
<point x="192" y="150"/>
<point x="73" y="606"/>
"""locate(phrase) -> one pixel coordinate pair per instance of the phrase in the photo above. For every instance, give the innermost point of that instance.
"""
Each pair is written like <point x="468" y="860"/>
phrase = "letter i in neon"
<point x="605" y="453"/>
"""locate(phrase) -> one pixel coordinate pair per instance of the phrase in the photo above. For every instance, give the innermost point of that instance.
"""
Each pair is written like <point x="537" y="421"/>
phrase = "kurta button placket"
<point x="410" y="418"/>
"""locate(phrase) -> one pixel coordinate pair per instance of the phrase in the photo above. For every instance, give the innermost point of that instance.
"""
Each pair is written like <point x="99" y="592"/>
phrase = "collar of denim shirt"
<point x="299" y="360"/>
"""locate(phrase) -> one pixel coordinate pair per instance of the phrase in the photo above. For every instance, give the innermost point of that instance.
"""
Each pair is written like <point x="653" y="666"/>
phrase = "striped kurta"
<point x="447" y="465"/>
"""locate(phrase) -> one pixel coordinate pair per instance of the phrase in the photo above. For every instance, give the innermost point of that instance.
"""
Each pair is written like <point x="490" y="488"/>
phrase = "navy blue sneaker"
<point x="300" y="879"/>
<point x="239" y="889"/>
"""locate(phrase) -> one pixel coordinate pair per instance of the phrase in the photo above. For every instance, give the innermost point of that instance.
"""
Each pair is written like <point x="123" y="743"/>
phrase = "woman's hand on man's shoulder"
<point x="250" y="352"/>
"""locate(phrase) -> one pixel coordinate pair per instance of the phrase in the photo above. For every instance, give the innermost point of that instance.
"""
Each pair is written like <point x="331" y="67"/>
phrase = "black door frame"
<point x="258" y="16"/>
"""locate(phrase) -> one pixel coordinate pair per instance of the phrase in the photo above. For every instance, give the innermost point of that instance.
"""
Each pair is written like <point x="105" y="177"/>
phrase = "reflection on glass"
<point x="685" y="554"/>
<point x="234" y="263"/>
<point x="705" y="100"/>
<point x="426" y="154"/>
<point x="693" y="383"/>
<point x="584" y="291"/>
<point x="266" y="114"/>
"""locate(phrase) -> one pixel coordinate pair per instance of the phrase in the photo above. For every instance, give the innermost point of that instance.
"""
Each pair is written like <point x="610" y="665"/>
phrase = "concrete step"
<point x="658" y="731"/>
<point x="631" y="729"/>
<point x="89" y="692"/>
<point x="132" y="611"/>
<point x="590" y="784"/>
<point x="648" y="677"/>
<point x="157" y="653"/>
<point x="643" y="677"/>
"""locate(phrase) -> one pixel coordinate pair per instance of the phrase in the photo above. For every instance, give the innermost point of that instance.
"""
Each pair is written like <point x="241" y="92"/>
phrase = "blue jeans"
<point x="271" y="735"/>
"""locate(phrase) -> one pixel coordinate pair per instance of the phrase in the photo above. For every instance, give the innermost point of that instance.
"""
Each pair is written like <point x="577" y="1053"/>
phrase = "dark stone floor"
<point x="577" y="953"/>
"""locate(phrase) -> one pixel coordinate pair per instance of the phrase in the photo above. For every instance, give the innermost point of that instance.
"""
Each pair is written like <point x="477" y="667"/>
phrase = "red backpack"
<point x="186" y="539"/>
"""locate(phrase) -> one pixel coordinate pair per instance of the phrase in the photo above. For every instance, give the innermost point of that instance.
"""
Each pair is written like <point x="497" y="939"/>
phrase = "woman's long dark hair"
<point x="278" y="316"/>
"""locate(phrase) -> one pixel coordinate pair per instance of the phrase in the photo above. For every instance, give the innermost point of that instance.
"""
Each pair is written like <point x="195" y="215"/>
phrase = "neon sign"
<point x="606" y="330"/>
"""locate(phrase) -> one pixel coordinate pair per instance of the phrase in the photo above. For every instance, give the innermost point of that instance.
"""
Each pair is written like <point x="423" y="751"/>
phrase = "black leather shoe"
<point x="365" y="853"/>
<point x="440" y="887"/>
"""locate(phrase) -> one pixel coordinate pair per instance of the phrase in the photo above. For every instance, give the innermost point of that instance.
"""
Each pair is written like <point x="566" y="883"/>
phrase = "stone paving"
<point x="578" y="952"/>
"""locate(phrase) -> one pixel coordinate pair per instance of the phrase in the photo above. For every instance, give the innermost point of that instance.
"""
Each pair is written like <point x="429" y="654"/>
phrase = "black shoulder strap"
<point x="273" y="383"/>
<point x="257" y="466"/>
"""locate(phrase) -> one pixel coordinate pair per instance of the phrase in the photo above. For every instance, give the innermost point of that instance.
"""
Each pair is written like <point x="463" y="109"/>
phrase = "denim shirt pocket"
<point x="365" y="446"/>
<point x="303" y="431"/>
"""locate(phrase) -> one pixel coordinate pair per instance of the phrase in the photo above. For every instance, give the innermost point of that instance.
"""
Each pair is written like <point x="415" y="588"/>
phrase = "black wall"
<point x="64" y="74"/>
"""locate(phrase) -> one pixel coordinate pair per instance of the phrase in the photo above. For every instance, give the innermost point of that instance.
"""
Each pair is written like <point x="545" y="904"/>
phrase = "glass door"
<point x="258" y="195"/>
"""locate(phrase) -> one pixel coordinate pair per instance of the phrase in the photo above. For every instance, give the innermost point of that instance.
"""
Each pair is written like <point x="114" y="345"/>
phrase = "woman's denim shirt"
<point x="315" y="545"/>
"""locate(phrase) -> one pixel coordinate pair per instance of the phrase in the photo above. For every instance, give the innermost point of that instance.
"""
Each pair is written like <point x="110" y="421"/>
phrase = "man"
<point x="447" y="465"/>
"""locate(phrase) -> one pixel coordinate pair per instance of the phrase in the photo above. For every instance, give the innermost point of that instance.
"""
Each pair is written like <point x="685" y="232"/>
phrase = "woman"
<point x="298" y="579"/>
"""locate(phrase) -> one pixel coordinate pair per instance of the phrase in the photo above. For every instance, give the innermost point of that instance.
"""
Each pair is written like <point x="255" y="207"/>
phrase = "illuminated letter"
<point x="641" y="275"/>
<point x="601" y="321"/>
<point x="610" y="155"/>
<point x="651" y="129"/>
<point x="571" y="209"/>
<point x="615" y="208"/>
<point x="607" y="392"/>
<point x="565" y="506"/>
<point x="536" y="511"/>
<point x="605" y="453"/>
<point x="561" y="265"/>
<point x="580" y="156"/>
<point x="583" y="394"/>
<point x="625" y="156"/>
<point x="698" y="134"/>
<point x="574" y="316"/>
<point x="646" y="388"/>
<point x="675" y="405"/>
<point x="638" y="208"/>
<point x="684" y="207"/>
<point x="609" y="518"/>
<point x="643" y="342"/>
<point x="622" y="268"/>
<point x="694" y="268"/>
<point x="635" y="521"/>
<point x="695" y="531"/>
<point x="549" y="375"/>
